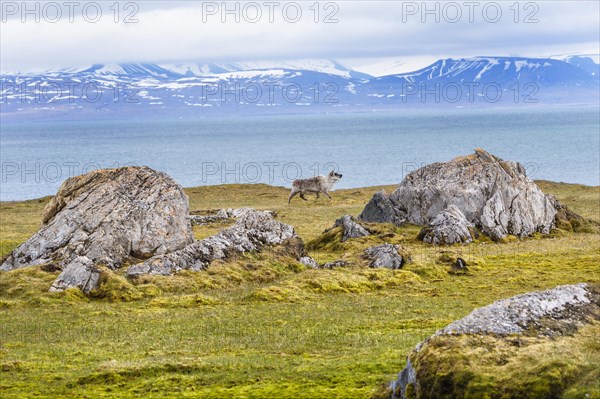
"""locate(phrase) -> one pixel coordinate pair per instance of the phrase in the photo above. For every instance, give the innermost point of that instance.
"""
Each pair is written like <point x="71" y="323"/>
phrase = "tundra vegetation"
<point x="263" y="325"/>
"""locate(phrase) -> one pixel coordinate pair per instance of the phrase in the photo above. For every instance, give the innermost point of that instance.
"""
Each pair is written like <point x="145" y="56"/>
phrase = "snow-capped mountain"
<point x="197" y="89"/>
<point x="498" y="70"/>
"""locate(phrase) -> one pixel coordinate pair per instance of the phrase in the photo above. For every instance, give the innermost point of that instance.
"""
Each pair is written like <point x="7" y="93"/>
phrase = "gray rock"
<point x="514" y="315"/>
<point x="568" y="306"/>
<point x="200" y="220"/>
<point x="107" y="216"/>
<point x="448" y="227"/>
<point x="79" y="273"/>
<point x="350" y="228"/>
<point x="309" y="262"/>
<point x="380" y="210"/>
<point x="493" y="194"/>
<point x="385" y="256"/>
<point x="223" y="214"/>
<point x="252" y="231"/>
<point x="334" y="264"/>
<point x="239" y="212"/>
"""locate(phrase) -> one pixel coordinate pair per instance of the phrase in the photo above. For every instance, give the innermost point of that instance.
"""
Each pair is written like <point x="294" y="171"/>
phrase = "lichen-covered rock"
<point x="544" y="315"/>
<point x="386" y="256"/>
<point x="253" y="230"/>
<point x="493" y="194"/>
<point x="350" y="229"/>
<point x="448" y="227"/>
<point x="514" y="315"/>
<point x="239" y="212"/>
<point x="107" y="216"/>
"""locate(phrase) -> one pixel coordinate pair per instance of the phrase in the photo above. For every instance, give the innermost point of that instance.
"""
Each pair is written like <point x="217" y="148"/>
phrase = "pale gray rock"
<point x="568" y="306"/>
<point x="107" y="216"/>
<point x="309" y="262"/>
<point x="79" y="273"/>
<point x="384" y="256"/>
<point x="514" y="315"/>
<point x="448" y="227"/>
<point x="223" y="214"/>
<point x="236" y="213"/>
<point x="253" y="230"/>
<point x="493" y="194"/>
<point x="201" y="220"/>
<point x="350" y="228"/>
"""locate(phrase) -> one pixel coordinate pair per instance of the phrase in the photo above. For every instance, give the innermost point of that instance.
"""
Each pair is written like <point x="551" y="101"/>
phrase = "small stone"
<point x="309" y="262"/>
<point x="385" y="256"/>
<point x="350" y="228"/>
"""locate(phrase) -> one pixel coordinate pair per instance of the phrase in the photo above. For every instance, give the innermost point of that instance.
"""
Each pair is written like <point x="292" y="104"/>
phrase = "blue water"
<point x="368" y="149"/>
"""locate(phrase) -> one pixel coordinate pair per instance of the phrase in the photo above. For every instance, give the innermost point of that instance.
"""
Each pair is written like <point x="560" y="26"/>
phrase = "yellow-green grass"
<point x="262" y="325"/>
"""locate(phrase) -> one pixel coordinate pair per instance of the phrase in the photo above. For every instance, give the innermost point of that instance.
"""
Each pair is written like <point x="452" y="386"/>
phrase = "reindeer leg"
<point x="292" y="194"/>
<point x="302" y="196"/>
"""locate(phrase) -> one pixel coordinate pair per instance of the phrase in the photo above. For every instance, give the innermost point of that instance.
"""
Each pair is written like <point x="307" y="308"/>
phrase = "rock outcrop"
<point x="252" y="231"/>
<point x="544" y="315"/>
<point x="448" y="227"/>
<point x="494" y="195"/>
<point x="350" y="229"/>
<point x="380" y="209"/>
<point x="103" y="218"/>
<point x="223" y="214"/>
<point x="386" y="255"/>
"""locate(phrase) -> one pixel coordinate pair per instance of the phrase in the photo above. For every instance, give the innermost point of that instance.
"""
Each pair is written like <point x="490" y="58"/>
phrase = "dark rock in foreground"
<point x="544" y="315"/>
<point x="494" y="195"/>
<point x="104" y="218"/>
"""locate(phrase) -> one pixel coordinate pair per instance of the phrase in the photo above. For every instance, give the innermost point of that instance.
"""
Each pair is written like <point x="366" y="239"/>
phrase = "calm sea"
<point x="368" y="149"/>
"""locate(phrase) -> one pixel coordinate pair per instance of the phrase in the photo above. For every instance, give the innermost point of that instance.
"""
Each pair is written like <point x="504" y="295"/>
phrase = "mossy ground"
<point x="261" y="325"/>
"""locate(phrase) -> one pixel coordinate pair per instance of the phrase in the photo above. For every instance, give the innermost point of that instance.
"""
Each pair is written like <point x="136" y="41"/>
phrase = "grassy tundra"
<point x="261" y="325"/>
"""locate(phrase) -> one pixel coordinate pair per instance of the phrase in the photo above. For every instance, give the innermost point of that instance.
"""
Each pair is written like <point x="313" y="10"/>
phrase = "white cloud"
<point x="181" y="31"/>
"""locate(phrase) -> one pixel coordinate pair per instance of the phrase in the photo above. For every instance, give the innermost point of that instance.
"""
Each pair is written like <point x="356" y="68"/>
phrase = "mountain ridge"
<point x="144" y="89"/>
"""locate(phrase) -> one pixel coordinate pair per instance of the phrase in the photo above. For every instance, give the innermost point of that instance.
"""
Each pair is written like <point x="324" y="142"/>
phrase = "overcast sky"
<point x="357" y="33"/>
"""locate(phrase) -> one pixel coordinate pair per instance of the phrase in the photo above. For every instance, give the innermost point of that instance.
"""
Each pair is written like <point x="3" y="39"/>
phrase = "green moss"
<point x="26" y="282"/>
<point x="183" y="301"/>
<point x="115" y="288"/>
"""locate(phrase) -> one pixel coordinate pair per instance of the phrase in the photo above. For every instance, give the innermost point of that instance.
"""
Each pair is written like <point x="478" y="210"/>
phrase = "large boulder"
<point x="447" y="364"/>
<point x="493" y="194"/>
<point x="253" y="230"/>
<point x="104" y="218"/>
